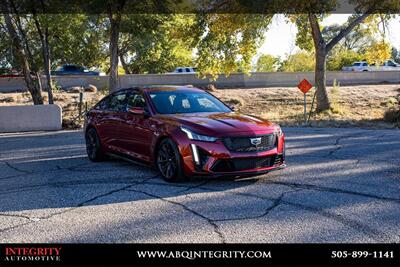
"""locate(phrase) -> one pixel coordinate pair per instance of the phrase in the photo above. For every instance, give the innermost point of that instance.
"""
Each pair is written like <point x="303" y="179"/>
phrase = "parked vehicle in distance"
<point x="10" y="73"/>
<point x="388" y="65"/>
<point x="72" y="69"/>
<point x="185" y="70"/>
<point x="183" y="132"/>
<point x="357" y="66"/>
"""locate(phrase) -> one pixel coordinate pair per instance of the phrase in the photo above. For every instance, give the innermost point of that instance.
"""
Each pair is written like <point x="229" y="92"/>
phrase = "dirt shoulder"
<point x="353" y="106"/>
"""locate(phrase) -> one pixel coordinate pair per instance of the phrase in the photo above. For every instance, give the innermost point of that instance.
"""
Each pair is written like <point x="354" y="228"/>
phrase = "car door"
<point x="136" y="134"/>
<point x="99" y="115"/>
<point x="111" y="120"/>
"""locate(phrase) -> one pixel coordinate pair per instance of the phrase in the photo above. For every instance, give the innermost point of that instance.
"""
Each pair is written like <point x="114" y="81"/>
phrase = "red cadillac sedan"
<point x="183" y="132"/>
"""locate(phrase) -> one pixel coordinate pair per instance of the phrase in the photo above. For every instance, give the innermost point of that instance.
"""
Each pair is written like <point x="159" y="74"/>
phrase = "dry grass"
<point x="360" y="106"/>
<point x="352" y="106"/>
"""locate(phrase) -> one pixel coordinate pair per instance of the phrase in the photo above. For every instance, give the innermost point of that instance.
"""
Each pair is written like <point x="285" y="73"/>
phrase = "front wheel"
<point x="93" y="146"/>
<point x="169" y="161"/>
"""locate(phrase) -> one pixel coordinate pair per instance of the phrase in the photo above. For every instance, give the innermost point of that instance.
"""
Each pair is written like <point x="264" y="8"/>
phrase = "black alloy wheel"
<point x="169" y="161"/>
<point x="93" y="146"/>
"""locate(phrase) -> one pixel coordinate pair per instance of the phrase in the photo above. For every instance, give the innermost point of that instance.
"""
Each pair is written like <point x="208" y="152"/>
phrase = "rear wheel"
<point x="93" y="146"/>
<point x="169" y="161"/>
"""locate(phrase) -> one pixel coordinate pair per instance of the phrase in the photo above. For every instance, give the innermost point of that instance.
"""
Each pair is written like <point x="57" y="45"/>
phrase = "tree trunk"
<point x="21" y="55"/>
<point x="320" y="64"/>
<point x="47" y="70"/>
<point x="46" y="56"/>
<point x="115" y="21"/>
<point x="323" y="102"/>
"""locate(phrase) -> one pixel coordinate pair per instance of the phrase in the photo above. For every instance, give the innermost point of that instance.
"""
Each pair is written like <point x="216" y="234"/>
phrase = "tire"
<point x="169" y="161"/>
<point x="93" y="146"/>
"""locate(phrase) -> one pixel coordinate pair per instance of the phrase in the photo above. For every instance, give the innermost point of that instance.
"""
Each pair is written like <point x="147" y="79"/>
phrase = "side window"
<point x="179" y="70"/>
<point x="206" y="103"/>
<point x="135" y="100"/>
<point x="117" y="102"/>
<point x="70" y="68"/>
<point x="103" y="104"/>
<point x="188" y="70"/>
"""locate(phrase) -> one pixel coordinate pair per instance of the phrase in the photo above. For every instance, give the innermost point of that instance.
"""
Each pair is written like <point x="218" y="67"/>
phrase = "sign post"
<point x="305" y="86"/>
<point x="305" y="108"/>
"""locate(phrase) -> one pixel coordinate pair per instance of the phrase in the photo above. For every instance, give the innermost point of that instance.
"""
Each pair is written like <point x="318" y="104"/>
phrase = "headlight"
<point x="279" y="131"/>
<point x="194" y="136"/>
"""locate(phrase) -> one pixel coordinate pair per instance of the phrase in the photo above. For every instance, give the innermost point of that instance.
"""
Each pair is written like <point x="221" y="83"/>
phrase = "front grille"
<point x="241" y="164"/>
<point x="244" y="144"/>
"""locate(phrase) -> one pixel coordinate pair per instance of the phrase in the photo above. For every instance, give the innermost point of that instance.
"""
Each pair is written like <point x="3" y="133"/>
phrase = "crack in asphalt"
<point x="57" y="169"/>
<point x="210" y="221"/>
<point x="16" y="168"/>
<point x="335" y="190"/>
<point x="375" y="234"/>
<point x="15" y="215"/>
<point x="81" y="204"/>
<point x="337" y="144"/>
<point x="276" y="203"/>
<point x="188" y="188"/>
<point x="360" y="227"/>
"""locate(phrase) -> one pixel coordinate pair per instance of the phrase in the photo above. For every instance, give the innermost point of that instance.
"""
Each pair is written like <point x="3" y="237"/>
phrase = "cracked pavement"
<point x="340" y="185"/>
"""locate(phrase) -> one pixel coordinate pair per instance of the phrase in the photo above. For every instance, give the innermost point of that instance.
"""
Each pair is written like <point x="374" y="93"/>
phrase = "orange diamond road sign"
<point x="304" y="86"/>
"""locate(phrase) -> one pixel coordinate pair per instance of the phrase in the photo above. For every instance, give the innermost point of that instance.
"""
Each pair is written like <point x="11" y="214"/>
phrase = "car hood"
<point x="219" y="124"/>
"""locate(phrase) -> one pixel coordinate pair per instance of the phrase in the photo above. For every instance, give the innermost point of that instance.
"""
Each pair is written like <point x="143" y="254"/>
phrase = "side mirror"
<point x="137" y="111"/>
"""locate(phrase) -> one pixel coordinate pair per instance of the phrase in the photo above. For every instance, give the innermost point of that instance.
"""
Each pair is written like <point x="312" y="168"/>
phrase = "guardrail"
<point x="235" y="80"/>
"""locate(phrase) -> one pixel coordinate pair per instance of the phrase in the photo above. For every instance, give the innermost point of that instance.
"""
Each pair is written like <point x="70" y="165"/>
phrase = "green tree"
<point x="378" y="52"/>
<point x="340" y="58"/>
<point x="229" y="41"/>
<point x="309" y="28"/>
<point x="301" y="61"/>
<point x="157" y="43"/>
<point x="267" y="63"/>
<point x="79" y="39"/>
<point x="357" y="40"/>
<point x="22" y="50"/>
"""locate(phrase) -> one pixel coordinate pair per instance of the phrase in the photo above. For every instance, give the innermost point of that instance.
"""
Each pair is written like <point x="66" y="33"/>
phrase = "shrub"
<point x="393" y="114"/>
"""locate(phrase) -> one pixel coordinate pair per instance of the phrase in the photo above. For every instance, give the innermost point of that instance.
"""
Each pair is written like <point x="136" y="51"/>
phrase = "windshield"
<point x="173" y="102"/>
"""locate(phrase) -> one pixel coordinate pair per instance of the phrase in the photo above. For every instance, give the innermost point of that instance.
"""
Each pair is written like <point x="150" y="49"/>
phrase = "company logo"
<point x="31" y="254"/>
<point x="255" y="141"/>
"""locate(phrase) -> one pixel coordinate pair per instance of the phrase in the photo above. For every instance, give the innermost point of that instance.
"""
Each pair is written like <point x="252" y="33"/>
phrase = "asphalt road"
<point x="341" y="185"/>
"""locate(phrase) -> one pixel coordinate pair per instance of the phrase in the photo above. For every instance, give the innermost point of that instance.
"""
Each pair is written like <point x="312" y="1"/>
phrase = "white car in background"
<point x="388" y="65"/>
<point x="185" y="70"/>
<point x="357" y="66"/>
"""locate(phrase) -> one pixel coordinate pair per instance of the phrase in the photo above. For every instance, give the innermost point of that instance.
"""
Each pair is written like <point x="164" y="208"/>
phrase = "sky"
<point x="280" y="38"/>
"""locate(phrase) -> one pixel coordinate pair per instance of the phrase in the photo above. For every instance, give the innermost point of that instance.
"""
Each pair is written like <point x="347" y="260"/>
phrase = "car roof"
<point x="157" y="88"/>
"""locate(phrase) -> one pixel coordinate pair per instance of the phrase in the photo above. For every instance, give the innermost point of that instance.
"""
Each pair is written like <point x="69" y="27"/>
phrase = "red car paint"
<point x="136" y="136"/>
